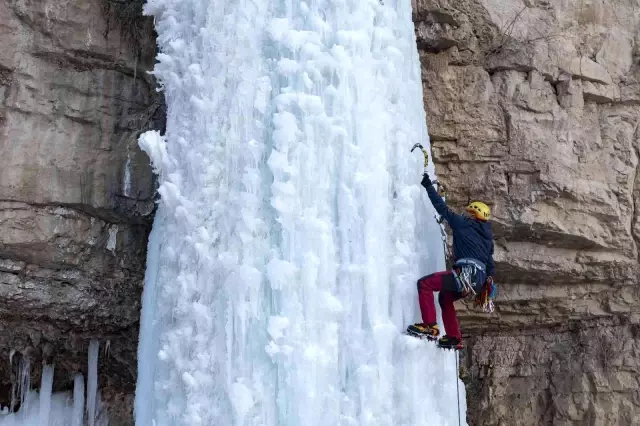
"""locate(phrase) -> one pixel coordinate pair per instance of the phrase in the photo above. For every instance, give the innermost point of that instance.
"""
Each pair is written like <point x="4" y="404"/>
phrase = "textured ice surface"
<point x="292" y="227"/>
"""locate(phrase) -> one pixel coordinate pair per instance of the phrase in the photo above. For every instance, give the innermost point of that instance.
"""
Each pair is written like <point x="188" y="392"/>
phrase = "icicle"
<point x="15" y="381"/>
<point x="46" y="387"/>
<point x="126" y="186"/>
<point x="24" y="385"/>
<point x="78" y="401"/>
<point x="113" y="238"/>
<point x="92" y="382"/>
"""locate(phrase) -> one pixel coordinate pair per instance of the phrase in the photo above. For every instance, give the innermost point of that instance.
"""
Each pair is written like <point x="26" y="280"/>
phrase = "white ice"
<point x="45" y="393"/>
<point x="113" y="238"/>
<point x="77" y="416"/>
<point x="92" y="381"/>
<point x="126" y="179"/>
<point x="292" y="227"/>
<point x="57" y="408"/>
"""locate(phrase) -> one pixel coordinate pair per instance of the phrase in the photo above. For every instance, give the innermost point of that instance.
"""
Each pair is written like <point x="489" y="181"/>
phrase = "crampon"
<point x="424" y="331"/>
<point x="448" y="342"/>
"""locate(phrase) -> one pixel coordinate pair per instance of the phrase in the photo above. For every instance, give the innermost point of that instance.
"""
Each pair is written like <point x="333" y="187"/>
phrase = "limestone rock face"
<point x="534" y="107"/>
<point x="75" y="190"/>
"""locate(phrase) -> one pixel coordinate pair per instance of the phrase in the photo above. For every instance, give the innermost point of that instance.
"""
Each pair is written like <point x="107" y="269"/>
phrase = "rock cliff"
<point x="534" y="106"/>
<point x="75" y="190"/>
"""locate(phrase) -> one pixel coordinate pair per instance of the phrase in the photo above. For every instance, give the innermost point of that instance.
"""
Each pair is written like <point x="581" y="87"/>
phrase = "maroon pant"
<point x="445" y="283"/>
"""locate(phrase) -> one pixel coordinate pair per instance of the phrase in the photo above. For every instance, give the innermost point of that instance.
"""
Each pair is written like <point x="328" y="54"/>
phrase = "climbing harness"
<point x="465" y="271"/>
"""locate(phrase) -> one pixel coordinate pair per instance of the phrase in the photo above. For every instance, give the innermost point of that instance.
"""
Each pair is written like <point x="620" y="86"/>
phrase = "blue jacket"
<point x="471" y="238"/>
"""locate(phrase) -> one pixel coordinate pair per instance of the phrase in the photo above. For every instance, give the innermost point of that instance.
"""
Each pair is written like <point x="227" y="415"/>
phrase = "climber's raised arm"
<point x="455" y="220"/>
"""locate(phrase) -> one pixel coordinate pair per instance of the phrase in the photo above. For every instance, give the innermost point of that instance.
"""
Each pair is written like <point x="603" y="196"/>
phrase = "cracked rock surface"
<point x="534" y="106"/>
<point x="76" y="193"/>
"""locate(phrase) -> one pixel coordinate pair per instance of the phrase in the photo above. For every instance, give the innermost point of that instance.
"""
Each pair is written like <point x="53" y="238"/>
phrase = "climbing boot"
<point x="421" y="330"/>
<point x="448" y="342"/>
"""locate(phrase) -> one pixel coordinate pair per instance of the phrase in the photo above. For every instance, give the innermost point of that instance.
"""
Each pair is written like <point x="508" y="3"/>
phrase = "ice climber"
<point x="471" y="273"/>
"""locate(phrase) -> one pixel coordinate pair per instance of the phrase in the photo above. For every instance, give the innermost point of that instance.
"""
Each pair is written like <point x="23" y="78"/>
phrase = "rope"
<point x="447" y="252"/>
<point x="448" y="256"/>
<point x="457" y="390"/>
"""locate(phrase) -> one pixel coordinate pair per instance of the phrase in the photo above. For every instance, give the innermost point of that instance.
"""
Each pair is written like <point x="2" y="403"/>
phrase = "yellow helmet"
<point x="480" y="210"/>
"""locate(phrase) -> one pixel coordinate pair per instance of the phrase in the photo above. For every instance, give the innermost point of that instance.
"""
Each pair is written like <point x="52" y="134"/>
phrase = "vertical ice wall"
<point x="291" y="228"/>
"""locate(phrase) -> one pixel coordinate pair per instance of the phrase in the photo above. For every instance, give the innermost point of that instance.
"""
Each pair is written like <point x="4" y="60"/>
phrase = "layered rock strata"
<point x="76" y="193"/>
<point x="534" y="106"/>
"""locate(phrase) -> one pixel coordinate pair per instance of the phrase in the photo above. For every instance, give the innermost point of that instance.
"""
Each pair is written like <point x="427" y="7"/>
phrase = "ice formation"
<point x="291" y="227"/>
<point x="45" y="408"/>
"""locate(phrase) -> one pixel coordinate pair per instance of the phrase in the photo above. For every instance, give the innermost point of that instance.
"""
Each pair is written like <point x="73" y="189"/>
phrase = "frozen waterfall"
<point x="291" y="227"/>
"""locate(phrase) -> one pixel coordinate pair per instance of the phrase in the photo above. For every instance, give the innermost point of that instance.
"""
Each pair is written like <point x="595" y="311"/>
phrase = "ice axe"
<point x="424" y="152"/>
<point x="441" y="188"/>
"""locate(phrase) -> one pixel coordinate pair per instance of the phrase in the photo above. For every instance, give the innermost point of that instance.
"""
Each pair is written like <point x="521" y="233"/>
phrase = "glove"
<point x="426" y="181"/>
